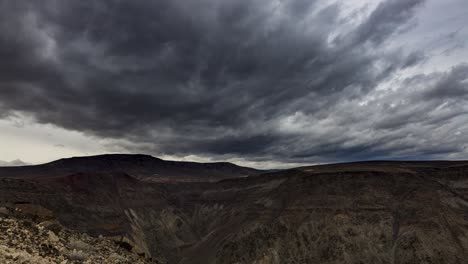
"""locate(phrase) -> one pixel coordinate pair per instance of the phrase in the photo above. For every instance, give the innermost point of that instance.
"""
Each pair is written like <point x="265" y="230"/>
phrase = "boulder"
<point x="4" y="211"/>
<point x="53" y="226"/>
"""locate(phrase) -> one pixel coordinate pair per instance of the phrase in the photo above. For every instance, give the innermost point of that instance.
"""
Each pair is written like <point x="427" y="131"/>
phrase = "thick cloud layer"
<point x="289" y="81"/>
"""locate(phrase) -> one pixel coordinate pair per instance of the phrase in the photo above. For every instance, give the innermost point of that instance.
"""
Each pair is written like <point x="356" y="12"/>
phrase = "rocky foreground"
<point x="26" y="239"/>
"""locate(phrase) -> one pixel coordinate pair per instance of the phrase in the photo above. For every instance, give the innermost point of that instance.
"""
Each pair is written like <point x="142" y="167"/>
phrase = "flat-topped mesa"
<point x="136" y="165"/>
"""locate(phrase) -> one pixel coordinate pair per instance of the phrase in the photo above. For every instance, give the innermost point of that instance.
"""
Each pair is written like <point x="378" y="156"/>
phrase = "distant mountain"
<point x="138" y="166"/>
<point x="16" y="162"/>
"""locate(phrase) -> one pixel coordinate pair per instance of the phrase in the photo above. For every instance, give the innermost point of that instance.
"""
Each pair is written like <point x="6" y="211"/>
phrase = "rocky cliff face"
<point x="373" y="212"/>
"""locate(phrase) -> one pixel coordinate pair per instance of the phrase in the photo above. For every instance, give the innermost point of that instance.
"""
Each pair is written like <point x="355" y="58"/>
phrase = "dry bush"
<point x="115" y="258"/>
<point x="77" y="255"/>
<point x="78" y="245"/>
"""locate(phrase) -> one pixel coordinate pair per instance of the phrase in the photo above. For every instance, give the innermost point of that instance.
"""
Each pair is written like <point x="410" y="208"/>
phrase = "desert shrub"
<point x="77" y="255"/>
<point x="78" y="245"/>
<point x="115" y="258"/>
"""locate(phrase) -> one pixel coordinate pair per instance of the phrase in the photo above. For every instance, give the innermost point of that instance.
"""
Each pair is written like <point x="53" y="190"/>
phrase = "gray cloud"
<point x="388" y="17"/>
<point x="262" y="80"/>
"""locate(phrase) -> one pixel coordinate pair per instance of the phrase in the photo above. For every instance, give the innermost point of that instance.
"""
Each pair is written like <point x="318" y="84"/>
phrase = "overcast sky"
<point x="258" y="82"/>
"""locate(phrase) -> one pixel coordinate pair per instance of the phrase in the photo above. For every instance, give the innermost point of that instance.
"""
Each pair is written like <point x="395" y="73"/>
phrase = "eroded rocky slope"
<point x="27" y="237"/>
<point x="374" y="212"/>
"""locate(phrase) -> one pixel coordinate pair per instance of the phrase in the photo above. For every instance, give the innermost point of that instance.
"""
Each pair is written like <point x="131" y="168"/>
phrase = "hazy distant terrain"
<point x="12" y="163"/>
<point x="368" y="212"/>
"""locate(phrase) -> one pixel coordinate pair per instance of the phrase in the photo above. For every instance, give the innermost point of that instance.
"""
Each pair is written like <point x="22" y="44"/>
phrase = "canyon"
<point x="183" y="212"/>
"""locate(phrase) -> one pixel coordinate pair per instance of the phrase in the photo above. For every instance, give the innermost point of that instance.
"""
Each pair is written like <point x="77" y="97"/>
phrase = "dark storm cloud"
<point x="254" y="79"/>
<point x="451" y="85"/>
<point x="388" y="17"/>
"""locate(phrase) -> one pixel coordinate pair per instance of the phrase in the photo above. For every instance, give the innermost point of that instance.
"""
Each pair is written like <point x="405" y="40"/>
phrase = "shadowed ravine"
<point x="368" y="212"/>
